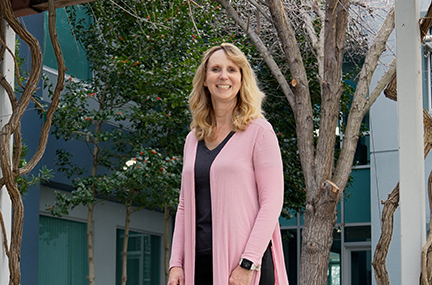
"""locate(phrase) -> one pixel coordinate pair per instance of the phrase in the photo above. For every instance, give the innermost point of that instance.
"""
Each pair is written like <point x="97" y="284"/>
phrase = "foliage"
<point x="142" y="66"/>
<point x="24" y="182"/>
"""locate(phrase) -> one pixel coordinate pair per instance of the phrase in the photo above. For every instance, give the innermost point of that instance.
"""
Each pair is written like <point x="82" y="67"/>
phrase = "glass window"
<point x="143" y="258"/>
<point x="334" y="270"/>
<point x="357" y="203"/>
<point x="357" y="234"/>
<point x="73" y="53"/>
<point x="361" y="269"/>
<point x="62" y="252"/>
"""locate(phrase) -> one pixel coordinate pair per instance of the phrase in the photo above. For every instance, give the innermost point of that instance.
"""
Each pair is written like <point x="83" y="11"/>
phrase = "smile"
<point x="224" y="87"/>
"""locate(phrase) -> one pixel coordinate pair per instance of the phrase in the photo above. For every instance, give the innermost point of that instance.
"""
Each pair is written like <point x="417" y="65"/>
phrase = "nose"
<point x="224" y="75"/>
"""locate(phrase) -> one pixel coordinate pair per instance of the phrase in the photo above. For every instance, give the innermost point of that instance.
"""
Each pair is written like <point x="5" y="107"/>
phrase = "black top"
<point x="203" y="162"/>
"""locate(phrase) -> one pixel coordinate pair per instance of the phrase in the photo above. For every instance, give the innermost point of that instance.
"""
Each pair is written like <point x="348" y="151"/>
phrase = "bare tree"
<point x="10" y="169"/>
<point x="330" y="28"/>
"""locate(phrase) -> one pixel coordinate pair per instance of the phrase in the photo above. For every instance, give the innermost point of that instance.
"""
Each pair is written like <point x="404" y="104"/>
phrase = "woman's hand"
<point x="241" y="276"/>
<point x="176" y="276"/>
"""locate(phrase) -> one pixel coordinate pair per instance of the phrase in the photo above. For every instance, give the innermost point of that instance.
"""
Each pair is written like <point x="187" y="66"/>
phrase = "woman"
<point x="226" y="229"/>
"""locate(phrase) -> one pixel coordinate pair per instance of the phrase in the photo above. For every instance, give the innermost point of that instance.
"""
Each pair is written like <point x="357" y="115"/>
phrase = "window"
<point x="62" y="252"/>
<point x="143" y="258"/>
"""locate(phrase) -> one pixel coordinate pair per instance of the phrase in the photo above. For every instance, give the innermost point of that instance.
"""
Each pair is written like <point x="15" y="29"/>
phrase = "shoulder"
<point x="260" y="124"/>
<point x="258" y="129"/>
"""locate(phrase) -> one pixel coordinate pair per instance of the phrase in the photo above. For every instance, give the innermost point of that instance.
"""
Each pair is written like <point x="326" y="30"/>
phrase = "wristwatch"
<point x="249" y="265"/>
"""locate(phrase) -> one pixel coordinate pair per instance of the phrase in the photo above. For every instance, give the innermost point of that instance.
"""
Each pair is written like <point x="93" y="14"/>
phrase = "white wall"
<point x="108" y="217"/>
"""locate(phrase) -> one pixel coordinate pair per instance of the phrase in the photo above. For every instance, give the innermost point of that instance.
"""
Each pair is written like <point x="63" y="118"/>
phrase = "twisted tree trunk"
<point x="10" y="169"/>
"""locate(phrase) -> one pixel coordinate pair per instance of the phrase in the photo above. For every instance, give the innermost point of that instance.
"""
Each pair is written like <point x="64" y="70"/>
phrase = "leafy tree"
<point x="146" y="181"/>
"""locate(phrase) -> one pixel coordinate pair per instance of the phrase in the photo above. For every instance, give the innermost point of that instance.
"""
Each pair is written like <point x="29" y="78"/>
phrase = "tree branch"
<point x="317" y="41"/>
<point x="56" y="95"/>
<point x="360" y="106"/>
<point x="381" y="85"/>
<point x="336" y="19"/>
<point x="260" y="8"/>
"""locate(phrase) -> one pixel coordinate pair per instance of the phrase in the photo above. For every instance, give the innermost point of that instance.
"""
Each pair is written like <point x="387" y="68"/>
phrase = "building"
<point x="54" y="250"/>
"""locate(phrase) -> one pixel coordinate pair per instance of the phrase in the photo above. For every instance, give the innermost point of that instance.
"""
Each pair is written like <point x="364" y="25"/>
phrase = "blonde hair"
<point x="249" y="98"/>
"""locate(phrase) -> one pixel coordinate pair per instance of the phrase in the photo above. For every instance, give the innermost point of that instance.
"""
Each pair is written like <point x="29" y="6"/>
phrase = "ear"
<point x="205" y="83"/>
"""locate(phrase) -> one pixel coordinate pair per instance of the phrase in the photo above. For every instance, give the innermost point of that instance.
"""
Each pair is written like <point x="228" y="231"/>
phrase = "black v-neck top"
<point x="203" y="162"/>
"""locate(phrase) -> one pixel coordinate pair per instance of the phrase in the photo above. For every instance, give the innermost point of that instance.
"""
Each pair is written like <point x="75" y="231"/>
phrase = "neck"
<point x="223" y="113"/>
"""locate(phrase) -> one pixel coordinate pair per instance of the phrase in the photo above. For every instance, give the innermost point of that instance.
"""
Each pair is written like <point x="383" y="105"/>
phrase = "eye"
<point x="232" y="70"/>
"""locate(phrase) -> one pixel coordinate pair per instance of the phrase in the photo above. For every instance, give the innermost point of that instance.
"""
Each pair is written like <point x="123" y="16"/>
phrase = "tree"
<point x="328" y="32"/>
<point x="147" y="181"/>
<point x="11" y="170"/>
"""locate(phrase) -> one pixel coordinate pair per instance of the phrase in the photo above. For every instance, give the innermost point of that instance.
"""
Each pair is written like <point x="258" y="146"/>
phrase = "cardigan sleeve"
<point x="268" y="169"/>
<point x="177" y="251"/>
<point x="178" y="242"/>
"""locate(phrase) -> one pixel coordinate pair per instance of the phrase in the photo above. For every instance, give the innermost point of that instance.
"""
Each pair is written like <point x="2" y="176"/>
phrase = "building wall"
<point x="108" y="217"/>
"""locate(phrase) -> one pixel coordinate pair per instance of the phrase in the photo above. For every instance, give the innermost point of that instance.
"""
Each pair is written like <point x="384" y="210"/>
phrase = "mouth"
<point x="223" y="87"/>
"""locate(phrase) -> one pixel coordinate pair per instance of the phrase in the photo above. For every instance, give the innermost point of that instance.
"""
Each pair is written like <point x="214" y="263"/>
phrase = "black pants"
<point x="204" y="269"/>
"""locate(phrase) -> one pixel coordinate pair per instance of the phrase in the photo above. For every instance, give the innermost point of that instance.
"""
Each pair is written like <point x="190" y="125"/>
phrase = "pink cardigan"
<point x="246" y="181"/>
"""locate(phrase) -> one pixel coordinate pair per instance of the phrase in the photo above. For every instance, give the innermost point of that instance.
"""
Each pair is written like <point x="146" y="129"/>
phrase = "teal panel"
<point x="357" y="204"/>
<point x="74" y="55"/>
<point x="62" y="252"/>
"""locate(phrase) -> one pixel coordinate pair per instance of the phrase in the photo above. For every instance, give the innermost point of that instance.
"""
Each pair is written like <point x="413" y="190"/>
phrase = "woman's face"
<point x="223" y="78"/>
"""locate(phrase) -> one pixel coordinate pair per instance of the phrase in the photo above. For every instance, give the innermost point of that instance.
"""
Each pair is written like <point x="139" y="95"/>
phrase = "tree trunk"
<point x="167" y="246"/>
<point x="15" y="246"/>
<point x="90" y="250"/>
<point x="381" y="250"/>
<point x="320" y="218"/>
<point x="125" y="245"/>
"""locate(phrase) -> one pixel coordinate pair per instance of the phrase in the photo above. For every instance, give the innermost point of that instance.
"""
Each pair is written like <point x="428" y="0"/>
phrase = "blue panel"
<point x="357" y="205"/>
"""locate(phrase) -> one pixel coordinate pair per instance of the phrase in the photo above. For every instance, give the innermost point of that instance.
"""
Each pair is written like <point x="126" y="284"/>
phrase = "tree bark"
<point x="381" y="250"/>
<point x="320" y="218"/>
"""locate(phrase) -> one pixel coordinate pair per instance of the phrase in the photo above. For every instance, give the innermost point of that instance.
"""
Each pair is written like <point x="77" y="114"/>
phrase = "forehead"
<point x="219" y="57"/>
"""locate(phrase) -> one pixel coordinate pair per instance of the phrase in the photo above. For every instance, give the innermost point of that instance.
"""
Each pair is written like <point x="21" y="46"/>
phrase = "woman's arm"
<point x="269" y="179"/>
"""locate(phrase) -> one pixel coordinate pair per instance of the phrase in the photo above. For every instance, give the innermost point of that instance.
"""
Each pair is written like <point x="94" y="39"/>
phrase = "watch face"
<point x="246" y="264"/>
